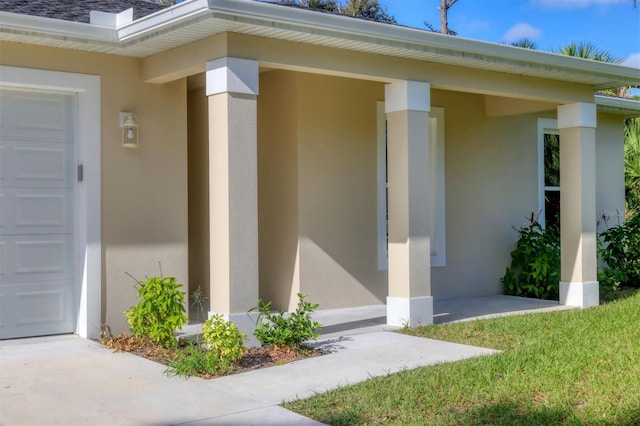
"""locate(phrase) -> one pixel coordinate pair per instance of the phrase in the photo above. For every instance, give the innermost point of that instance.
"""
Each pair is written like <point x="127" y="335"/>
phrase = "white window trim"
<point x="87" y="91"/>
<point x="382" y="186"/>
<point x="437" y="214"/>
<point x="546" y="126"/>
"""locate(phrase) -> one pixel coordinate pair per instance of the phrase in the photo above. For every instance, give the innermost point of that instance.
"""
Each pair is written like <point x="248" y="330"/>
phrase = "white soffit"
<point x="196" y="19"/>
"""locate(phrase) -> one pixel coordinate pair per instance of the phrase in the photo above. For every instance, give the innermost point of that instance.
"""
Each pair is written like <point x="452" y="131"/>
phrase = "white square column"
<point x="407" y="104"/>
<point x="579" y="283"/>
<point x="232" y="89"/>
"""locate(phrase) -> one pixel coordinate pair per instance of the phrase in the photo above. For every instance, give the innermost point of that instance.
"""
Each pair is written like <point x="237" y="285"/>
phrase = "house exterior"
<point x="283" y="150"/>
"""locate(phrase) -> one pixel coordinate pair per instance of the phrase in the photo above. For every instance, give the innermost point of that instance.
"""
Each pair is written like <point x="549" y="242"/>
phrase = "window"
<point x="549" y="172"/>
<point x="437" y="213"/>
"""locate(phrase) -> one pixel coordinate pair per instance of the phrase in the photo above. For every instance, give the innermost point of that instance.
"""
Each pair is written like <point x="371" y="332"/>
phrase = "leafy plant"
<point x="280" y="329"/>
<point x="535" y="263"/>
<point x="632" y="165"/>
<point x="219" y="350"/>
<point x="159" y="312"/>
<point x="195" y="360"/>
<point x="223" y="339"/>
<point x="620" y="251"/>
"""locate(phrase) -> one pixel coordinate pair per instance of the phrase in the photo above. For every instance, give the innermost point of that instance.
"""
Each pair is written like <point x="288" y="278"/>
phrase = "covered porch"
<point x="366" y="319"/>
<point x="334" y="187"/>
<point x="315" y="170"/>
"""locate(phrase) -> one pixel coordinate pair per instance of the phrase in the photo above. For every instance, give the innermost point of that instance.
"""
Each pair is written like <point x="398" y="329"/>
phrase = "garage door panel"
<point x="35" y="116"/>
<point x="39" y="309"/>
<point x="3" y="262"/>
<point x="3" y="213"/>
<point x="38" y="165"/>
<point x="36" y="211"/>
<point x="43" y="212"/>
<point x="34" y="258"/>
<point x="42" y="257"/>
<point x="30" y="164"/>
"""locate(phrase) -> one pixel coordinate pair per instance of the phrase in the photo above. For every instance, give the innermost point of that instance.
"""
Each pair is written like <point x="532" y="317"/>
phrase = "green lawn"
<point x="572" y="367"/>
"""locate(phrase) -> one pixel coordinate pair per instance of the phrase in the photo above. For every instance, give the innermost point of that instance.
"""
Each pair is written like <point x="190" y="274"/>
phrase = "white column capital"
<point x="579" y="114"/>
<point x="232" y="75"/>
<point x="407" y="96"/>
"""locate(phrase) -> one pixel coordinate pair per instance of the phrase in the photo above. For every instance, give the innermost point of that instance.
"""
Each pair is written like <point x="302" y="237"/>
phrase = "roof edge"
<point x="353" y="29"/>
<point x="628" y="108"/>
<point x="38" y="26"/>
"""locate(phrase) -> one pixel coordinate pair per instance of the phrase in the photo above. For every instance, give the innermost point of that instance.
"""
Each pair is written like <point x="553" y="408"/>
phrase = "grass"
<point x="569" y="368"/>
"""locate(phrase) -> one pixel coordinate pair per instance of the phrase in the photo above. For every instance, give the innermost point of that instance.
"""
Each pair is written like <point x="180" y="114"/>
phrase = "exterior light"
<point x="129" y="127"/>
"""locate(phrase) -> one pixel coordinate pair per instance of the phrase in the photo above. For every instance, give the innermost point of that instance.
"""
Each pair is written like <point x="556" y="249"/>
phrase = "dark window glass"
<point x="551" y="160"/>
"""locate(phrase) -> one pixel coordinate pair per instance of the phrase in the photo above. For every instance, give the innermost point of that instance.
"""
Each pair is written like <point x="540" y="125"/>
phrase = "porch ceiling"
<point x="197" y="19"/>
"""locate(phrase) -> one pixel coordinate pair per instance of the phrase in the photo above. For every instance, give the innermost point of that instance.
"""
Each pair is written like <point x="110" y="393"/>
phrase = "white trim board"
<point x="545" y="126"/>
<point x="87" y="91"/>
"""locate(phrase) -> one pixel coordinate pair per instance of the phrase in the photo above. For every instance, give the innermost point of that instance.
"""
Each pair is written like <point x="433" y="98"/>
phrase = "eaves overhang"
<point x="629" y="108"/>
<point x="196" y="19"/>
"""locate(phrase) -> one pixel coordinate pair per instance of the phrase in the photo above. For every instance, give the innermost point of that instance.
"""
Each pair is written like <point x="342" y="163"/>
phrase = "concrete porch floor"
<point x="365" y="319"/>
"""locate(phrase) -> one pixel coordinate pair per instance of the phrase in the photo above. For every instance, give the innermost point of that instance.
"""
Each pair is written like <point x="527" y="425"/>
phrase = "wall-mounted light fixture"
<point x="129" y="127"/>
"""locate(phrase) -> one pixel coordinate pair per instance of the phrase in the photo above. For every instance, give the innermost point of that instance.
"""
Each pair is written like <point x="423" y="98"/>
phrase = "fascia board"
<point x="618" y="106"/>
<point x="182" y="14"/>
<point x="37" y="26"/>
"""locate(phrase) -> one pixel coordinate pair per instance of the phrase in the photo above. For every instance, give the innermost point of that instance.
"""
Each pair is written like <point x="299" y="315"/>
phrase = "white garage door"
<point x="37" y="209"/>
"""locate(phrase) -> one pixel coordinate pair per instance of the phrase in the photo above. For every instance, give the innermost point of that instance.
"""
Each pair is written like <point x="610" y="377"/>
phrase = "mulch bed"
<point x="253" y="359"/>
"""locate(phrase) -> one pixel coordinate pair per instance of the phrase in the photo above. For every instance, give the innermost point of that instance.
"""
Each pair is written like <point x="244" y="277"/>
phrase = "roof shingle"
<point x="77" y="10"/>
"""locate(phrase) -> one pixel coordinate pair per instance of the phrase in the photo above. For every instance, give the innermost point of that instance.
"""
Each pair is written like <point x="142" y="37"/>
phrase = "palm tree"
<point x="632" y="165"/>
<point x="525" y="43"/>
<point x="586" y="50"/>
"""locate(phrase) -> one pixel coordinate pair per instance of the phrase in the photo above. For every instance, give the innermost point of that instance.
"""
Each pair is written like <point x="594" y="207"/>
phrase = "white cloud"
<point x="575" y="4"/>
<point x="520" y="31"/>
<point x="632" y="60"/>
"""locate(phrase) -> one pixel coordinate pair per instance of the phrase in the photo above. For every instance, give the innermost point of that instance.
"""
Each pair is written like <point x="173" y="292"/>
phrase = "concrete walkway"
<point x="66" y="380"/>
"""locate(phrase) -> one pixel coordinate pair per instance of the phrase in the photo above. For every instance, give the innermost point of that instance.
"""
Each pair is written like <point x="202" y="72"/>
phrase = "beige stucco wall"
<point x="317" y="193"/>
<point x="609" y="167"/>
<point x="144" y="190"/>
<point x="337" y="178"/>
<point x="198" y="175"/>
<point x="278" y="187"/>
<point x="491" y="184"/>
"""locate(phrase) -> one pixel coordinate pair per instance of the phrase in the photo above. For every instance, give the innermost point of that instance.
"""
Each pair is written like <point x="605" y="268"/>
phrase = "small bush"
<point x="159" y="312"/>
<point x="535" y="263"/>
<point x="223" y="339"/>
<point x="291" y="330"/>
<point x="195" y="360"/>
<point x="620" y="251"/>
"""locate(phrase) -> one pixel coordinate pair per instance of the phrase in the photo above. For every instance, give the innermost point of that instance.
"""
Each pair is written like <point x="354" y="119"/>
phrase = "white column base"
<point x="410" y="312"/>
<point x="245" y="322"/>
<point x="583" y="295"/>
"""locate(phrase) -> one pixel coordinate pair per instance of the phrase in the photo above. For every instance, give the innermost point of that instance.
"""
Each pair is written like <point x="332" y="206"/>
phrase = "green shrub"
<point x="535" y="263"/>
<point x="223" y="339"/>
<point x="280" y="329"/>
<point x="196" y="360"/>
<point x="159" y="312"/>
<point x="620" y="252"/>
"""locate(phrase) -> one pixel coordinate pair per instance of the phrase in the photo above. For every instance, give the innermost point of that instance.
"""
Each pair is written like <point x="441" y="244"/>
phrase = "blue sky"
<point x="612" y="25"/>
